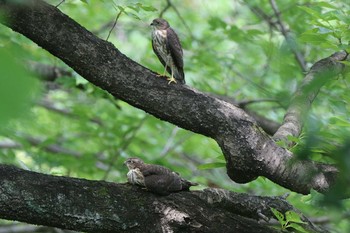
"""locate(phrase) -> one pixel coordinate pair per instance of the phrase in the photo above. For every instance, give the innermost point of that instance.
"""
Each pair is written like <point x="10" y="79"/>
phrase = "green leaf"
<point x="148" y="8"/>
<point x="216" y="22"/>
<point x="311" y="12"/>
<point x="279" y="216"/>
<point x="136" y="9"/>
<point x="291" y="216"/>
<point x="282" y="144"/>
<point x="293" y="139"/>
<point x="315" y="38"/>
<point x="339" y="122"/>
<point x="326" y="5"/>
<point x="347" y="63"/>
<point x="254" y="32"/>
<point x="133" y="15"/>
<point x="298" y="228"/>
<point x="211" y="165"/>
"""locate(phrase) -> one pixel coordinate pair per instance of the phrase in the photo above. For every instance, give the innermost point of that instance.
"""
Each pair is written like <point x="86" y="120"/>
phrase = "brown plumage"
<point x="166" y="45"/>
<point x="155" y="178"/>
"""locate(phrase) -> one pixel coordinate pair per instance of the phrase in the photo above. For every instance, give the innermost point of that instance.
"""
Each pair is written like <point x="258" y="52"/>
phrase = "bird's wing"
<point x="163" y="184"/>
<point x="160" y="180"/>
<point x="174" y="46"/>
<point x="175" y="49"/>
<point x="152" y="169"/>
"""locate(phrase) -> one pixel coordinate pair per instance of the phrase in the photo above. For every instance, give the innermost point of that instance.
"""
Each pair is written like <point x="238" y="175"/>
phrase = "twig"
<point x="172" y="145"/>
<point x="170" y="4"/>
<point x="244" y="103"/>
<point x="127" y="142"/>
<point x="279" y="26"/>
<point x="50" y="106"/>
<point x="266" y="124"/>
<point x="169" y="142"/>
<point x="60" y="3"/>
<point x="326" y="219"/>
<point x="165" y="9"/>
<point x="114" y="24"/>
<point x="300" y="59"/>
<point x="183" y="21"/>
<point x="261" y="14"/>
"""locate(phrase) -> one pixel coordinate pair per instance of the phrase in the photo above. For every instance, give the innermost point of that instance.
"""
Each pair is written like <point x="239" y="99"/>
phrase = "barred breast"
<point x="135" y="177"/>
<point x="159" y="40"/>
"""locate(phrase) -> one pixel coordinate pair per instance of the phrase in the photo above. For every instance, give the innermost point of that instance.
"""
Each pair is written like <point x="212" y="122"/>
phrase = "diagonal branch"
<point x="320" y="73"/>
<point x="249" y="152"/>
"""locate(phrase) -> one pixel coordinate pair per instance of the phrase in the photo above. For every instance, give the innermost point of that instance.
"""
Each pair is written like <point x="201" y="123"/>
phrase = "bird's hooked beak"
<point x="126" y="163"/>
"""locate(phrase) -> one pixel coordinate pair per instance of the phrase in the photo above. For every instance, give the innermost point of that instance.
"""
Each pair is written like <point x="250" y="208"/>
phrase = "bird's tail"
<point x="179" y="75"/>
<point x="187" y="184"/>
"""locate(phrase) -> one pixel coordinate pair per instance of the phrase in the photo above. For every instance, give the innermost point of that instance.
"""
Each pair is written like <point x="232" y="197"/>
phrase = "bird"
<point x="166" y="45"/>
<point x="155" y="178"/>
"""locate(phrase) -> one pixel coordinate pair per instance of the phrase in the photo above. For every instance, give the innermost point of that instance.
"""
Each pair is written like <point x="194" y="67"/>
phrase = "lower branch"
<point x="99" y="206"/>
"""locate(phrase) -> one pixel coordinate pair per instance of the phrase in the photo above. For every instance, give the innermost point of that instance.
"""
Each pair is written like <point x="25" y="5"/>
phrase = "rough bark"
<point x="99" y="206"/>
<point x="249" y="152"/>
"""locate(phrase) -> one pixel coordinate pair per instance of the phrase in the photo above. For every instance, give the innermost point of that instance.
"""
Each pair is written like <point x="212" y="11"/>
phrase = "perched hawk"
<point x="167" y="47"/>
<point x="155" y="178"/>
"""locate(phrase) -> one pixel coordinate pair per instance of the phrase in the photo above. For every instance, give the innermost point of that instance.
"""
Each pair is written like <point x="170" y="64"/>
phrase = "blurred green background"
<point x="67" y="126"/>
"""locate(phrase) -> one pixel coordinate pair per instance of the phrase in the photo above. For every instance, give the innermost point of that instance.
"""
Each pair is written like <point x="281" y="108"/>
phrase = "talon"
<point x="171" y="80"/>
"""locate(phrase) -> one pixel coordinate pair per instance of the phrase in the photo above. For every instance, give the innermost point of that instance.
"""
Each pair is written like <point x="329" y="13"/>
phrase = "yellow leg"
<point x="171" y="80"/>
<point x="166" y="66"/>
<point x="164" y="75"/>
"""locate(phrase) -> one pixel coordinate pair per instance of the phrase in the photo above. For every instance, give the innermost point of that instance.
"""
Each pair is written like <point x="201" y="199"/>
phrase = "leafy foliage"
<point x="17" y="89"/>
<point x="289" y="220"/>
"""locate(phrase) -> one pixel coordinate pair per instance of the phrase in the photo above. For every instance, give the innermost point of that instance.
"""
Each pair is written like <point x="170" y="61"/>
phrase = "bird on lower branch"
<point x="155" y="178"/>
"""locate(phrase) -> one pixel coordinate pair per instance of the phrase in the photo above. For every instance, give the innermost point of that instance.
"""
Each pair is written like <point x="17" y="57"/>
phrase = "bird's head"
<point x="133" y="163"/>
<point x="160" y="24"/>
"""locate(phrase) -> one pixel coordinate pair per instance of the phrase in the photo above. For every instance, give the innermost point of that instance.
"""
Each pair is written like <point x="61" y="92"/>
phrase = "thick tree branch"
<point x="99" y="206"/>
<point x="249" y="152"/>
